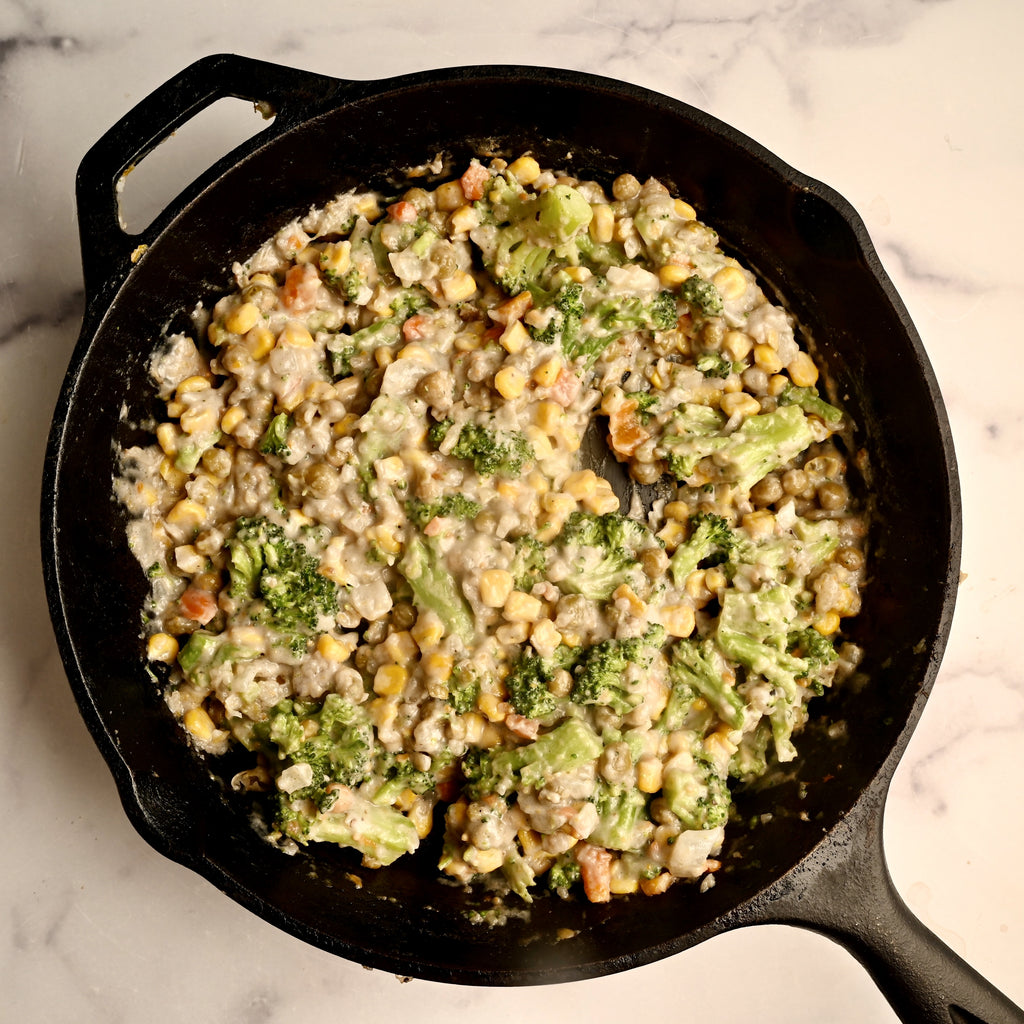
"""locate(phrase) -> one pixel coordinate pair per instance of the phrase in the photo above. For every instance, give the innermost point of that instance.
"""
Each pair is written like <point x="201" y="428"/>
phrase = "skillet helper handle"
<point x="845" y="892"/>
<point x="107" y="248"/>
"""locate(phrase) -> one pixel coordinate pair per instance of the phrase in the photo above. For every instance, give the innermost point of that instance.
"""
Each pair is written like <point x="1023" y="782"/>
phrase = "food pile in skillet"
<point x="379" y="564"/>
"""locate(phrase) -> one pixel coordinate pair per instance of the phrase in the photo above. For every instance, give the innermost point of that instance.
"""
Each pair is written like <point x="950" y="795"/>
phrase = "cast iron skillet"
<point x="818" y="862"/>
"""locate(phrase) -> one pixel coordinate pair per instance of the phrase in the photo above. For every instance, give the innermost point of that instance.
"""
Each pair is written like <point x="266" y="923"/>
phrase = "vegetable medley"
<point x="379" y="564"/>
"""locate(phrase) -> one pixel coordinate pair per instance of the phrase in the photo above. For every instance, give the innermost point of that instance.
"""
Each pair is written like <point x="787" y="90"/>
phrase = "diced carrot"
<point x="473" y="181"/>
<point x="299" y="291"/>
<point x="416" y="327"/>
<point x="403" y="212"/>
<point x="625" y="434"/>
<point x="524" y="728"/>
<point x="198" y="605"/>
<point x="566" y="388"/>
<point x="596" y="870"/>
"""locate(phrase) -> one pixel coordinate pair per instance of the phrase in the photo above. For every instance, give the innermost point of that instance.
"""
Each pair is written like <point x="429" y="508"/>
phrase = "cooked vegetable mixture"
<point x="380" y="564"/>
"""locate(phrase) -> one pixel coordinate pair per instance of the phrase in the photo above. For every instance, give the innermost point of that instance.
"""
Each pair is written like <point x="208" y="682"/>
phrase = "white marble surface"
<point x="913" y="110"/>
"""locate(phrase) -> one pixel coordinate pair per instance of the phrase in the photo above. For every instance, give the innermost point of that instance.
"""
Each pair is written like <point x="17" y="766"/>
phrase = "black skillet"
<point x="818" y="861"/>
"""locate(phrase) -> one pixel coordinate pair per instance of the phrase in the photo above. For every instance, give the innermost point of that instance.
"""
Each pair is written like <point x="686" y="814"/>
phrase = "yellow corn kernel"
<point x="548" y="416"/>
<point x="777" y="384"/>
<point x="459" y="287"/>
<point x="714" y="579"/>
<point x="421" y="814"/>
<point x="537" y="481"/>
<point x="581" y="484"/>
<point x="578" y="274"/>
<point x="437" y="666"/>
<point x="401" y="648"/>
<point x="677" y="510"/>
<point x="520" y="607"/>
<point x="417" y="353"/>
<point x="171" y="475"/>
<point x="648" y="774"/>
<point x="319" y="391"/>
<point x="673" y="533"/>
<point x="827" y="624"/>
<point x="190" y="385"/>
<point x="737" y="345"/>
<point x="802" y="371"/>
<point x="547" y="373"/>
<point x="545" y="637"/>
<point x="492" y="707"/>
<point x="167" y="435"/>
<point x="678" y="620"/>
<point x="242" y="318"/>
<point x="383" y="711"/>
<point x="383" y="357"/>
<point x="449" y="196"/>
<point x="508" y="489"/>
<point x="385" y="538"/>
<point x="739" y="403"/>
<point x="525" y="170"/>
<point x="672" y="275"/>
<point x="510" y="382"/>
<point x="694" y="585"/>
<point x="539" y="442"/>
<point x="560" y="506"/>
<point x="336" y="258"/>
<point x="730" y="282"/>
<point x="569" y="437"/>
<point x="602" y="224"/>
<point x="333" y="649"/>
<point x="199" y="723"/>
<point x="391" y="470"/>
<point x="344" y="426"/>
<point x="294" y="335"/>
<point x="232" y="418"/>
<point x="483" y="862"/>
<point x="199" y="421"/>
<point x="603" y="500"/>
<point x="473" y="724"/>
<point x="767" y="358"/>
<point x="368" y="206"/>
<point x="163" y="647"/>
<point x="718" y="746"/>
<point x="465" y="218"/>
<point x="759" y="524"/>
<point x="187" y="513"/>
<point x="684" y="210"/>
<point x="622" y="882"/>
<point x="260" y="342"/>
<point x="495" y="587"/>
<point x="390" y="680"/>
<point x="428" y="630"/>
<point x="515" y="338"/>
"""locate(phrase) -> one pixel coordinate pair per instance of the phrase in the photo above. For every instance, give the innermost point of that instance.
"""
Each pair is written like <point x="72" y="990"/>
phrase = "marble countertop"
<point x="914" y="110"/>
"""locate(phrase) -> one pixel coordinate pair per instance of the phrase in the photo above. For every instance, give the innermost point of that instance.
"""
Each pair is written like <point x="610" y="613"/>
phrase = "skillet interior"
<point x="806" y="243"/>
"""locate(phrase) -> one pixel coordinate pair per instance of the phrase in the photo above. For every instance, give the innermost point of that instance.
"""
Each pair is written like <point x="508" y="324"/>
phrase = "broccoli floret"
<point x="437" y="432"/>
<point x="751" y="757"/>
<point x="451" y="506"/>
<point x="381" y="427"/>
<point x="818" y="651"/>
<point x="701" y="295"/>
<point x="695" y="666"/>
<point x="646" y="405"/>
<point x="493" y="453"/>
<point x="564" y="873"/>
<point x="434" y="588"/>
<point x="711" y="537"/>
<point x="562" y="213"/>
<point x="698" y="797"/>
<point x="812" y="403"/>
<point x="623" y="822"/>
<point x="529" y="563"/>
<point x="205" y="651"/>
<point x="601" y="675"/>
<point x="275" y="438"/>
<point x="692" y="433"/>
<point x="712" y="364"/>
<point x="400" y="774"/>
<point x="528" y="681"/>
<point x="610" y="318"/>
<point x="602" y="551"/>
<point x="564" y="326"/>
<point x="762" y="444"/>
<point x="463" y="690"/>
<point x="267" y="566"/>
<point x="352" y="282"/>
<point x="519" y="262"/>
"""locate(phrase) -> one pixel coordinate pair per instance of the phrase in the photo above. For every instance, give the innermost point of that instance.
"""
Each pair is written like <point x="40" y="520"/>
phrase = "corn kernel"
<point x="602" y="225"/>
<point x="648" y="774"/>
<point x="421" y="814"/>
<point x="520" y="607"/>
<point x="694" y="585"/>
<point x="465" y="218"/>
<point x="483" y="862"/>
<point x="539" y="442"/>
<point x="545" y="637"/>
<point x="187" y="513"/>
<point x="737" y="345"/>
<point x="495" y="587"/>
<point x="383" y="711"/>
<point x="677" y="510"/>
<point x="569" y="437"/>
<point x="190" y="385"/>
<point x="777" y="384"/>
<point x="739" y="403"/>
<point x="391" y="470"/>
<point x="515" y="338"/>
<point x="558" y="505"/>
<point x="767" y="358"/>
<point x="510" y="382"/>
<point x="525" y="170"/>
<point x="657" y="885"/>
<point x="684" y="210"/>
<point x="730" y="282"/>
<point x="199" y="421"/>
<point x="260" y="342"/>
<point x="678" y="620"/>
<point x="548" y="416"/>
<point x="390" y="680"/>
<point x="336" y="258"/>
<point x="547" y="373"/>
<point x="459" y="287"/>
<point x="449" y="196"/>
<point x="242" y="318"/>
<point x="802" y="370"/>
<point x="581" y="484"/>
<point x="714" y="579"/>
<point x="492" y="707"/>
<point x="759" y="524"/>
<point x="171" y="475"/>
<point x="672" y="275"/>
<point x="199" y="723"/>
<point x="368" y="207"/>
<point x="163" y="647"/>
<point x="827" y="624"/>
<point x="578" y="274"/>
<point x="672" y="534"/>
<point x="167" y="435"/>
<point x="438" y="665"/>
<point x="427" y="630"/>
<point x="385" y="538"/>
<point x="295" y="335"/>
<point x="621" y="882"/>
<point x="232" y="419"/>
<point x="332" y="649"/>
<point x="603" y="500"/>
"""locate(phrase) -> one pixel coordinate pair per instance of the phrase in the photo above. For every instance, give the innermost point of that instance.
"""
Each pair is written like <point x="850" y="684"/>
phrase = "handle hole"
<point x="147" y="189"/>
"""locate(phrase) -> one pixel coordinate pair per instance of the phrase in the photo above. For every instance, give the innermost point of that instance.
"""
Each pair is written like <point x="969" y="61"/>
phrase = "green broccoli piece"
<point x="713" y="364"/>
<point x="646" y="405"/>
<point x="527" y="682"/>
<point x="400" y="774"/>
<point x="762" y="444"/>
<point x="493" y="453"/>
<point x="564" y="873"/>
<point x="434" y="588"/>
<point x="205" y="651"/>
<point x="266" y="566"/>
<point x="695" y="667"/>
<point x="451" y="506"/>
<point x="342" y="349"/>
<point x="612" y="317"/>
<point x="382" y="427"/>
<point x="623" y="822"/>
<point x="600" y="676"/>
<point x="818" y="651"/>
<point x="529" y="563"/>
<point x="751" y="757"/>
<point x="812" y="403"/>
<point x="563" y="213"/>
<point x="463" y="690"/>
<point x="692" y="433"/>
<point x="700" y="797"/>
<point x="437" y="432"/>
<point x="564" y="326"/>
<point x="602" y="552"/>
<point x="701" y="295"/>
<point x="711" y="538"/>
<point x="275" y="438"/>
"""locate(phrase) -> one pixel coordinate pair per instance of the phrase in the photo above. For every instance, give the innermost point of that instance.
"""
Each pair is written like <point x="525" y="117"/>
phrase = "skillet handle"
<point x="106" y="247"/>
<point x="844" y="890"/>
